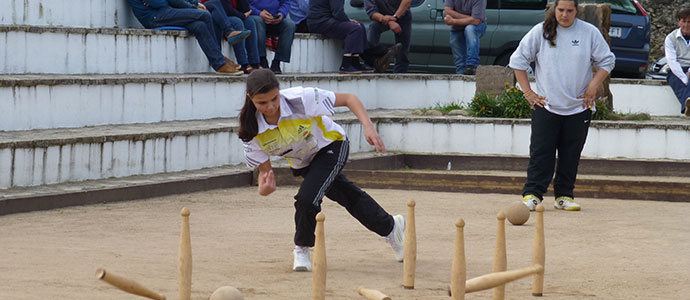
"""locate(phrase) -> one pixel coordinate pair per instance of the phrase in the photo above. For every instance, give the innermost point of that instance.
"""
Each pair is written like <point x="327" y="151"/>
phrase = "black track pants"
<point x="323" y="178"/>
<point x="553" y="133"/>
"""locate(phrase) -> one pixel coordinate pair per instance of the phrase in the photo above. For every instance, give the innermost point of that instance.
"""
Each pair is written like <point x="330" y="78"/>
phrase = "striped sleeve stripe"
<point x="329" y="106"/>
<point x="252" y="162"/>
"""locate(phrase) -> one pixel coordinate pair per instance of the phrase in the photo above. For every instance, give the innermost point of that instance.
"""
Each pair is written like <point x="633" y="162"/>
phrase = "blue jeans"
<point x="199" y="23"/>
<point x="681" y="90"/>
<point x="402" y="62"/>
<point x="285" y="31"/>
<point x="245" y="50"/>
<point x="465" y="46"/>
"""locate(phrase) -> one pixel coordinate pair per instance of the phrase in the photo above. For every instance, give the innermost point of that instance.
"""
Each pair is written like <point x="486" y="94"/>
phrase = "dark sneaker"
<point x="364" y="68"/>
<point x="263" y="62"/>
<point x="247" y="69"/>
<point x="384" y="61"/>
<point x="349" y="70"/>
<point x="470" y="70"/>
<point x="275" y="67"/>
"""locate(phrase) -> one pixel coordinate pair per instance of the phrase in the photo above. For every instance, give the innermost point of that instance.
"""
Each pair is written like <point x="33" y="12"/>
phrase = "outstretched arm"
<point x="357" y="108"/>
<point x="267" y="180"/>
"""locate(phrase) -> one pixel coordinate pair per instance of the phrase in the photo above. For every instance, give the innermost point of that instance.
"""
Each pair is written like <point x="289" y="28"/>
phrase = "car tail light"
<point x="644" y="12"/>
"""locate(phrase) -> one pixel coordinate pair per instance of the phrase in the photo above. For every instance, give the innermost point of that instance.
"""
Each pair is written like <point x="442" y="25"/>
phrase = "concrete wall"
<point x="58" y="50"/>
<point x="53" y="160"/>
<point x="70" y="102"/>
<point x="71" y="13"/>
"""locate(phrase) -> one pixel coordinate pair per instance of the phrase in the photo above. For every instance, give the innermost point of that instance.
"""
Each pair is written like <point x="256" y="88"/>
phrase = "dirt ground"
<point x="612" y="249"/>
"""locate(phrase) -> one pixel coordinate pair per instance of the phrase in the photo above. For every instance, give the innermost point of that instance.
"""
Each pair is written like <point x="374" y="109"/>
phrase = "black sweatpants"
<point x="323" y="177"/>
<point x="551" y="133"/>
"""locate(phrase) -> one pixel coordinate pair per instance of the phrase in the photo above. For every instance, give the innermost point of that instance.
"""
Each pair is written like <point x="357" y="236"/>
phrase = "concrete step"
<point x="95" y="14"/>
<point x="70" y="101"/>
<point x="612" y="178"/>
<point x="74" y="50"/>
<point x="39" y="157"/>
<point x="48" y="156"/>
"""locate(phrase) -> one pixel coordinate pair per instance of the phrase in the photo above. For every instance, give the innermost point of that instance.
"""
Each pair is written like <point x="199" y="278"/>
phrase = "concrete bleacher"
<point x="84" y="97"/>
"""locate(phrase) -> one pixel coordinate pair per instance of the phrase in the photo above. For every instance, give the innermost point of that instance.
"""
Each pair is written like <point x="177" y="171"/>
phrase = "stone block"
<point x="493" y="79"/>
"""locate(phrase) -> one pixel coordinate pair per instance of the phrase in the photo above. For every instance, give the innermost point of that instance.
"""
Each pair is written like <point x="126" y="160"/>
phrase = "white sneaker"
<point x="397" y="237"/>
<point x="531" y="201"/>
<point x="301" y="262"/>
<point x="566" y="203"/>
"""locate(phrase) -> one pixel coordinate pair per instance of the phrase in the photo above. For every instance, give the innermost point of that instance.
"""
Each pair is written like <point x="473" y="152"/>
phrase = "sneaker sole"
<point x="386" y="60"/>
<point x="567" y="209"/>
<point x="238" y="73"/>
<point x="301" y="269"/>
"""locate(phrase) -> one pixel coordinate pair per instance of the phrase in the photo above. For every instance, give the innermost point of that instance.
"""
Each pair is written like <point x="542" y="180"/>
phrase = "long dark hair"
<point x="550" y="23"/>
<point x="258" y="82"/>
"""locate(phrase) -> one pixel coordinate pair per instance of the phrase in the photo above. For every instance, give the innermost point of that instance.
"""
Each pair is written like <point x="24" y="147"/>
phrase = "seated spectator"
<point x="677" y="48"/>
<point x="193" y="17"/>
<point x="328" y="18"/>
<point x="232" y="15"/>
<point x="391" y="15"/>
<point x="271" y="19"/>
<point x="298" y="15"/>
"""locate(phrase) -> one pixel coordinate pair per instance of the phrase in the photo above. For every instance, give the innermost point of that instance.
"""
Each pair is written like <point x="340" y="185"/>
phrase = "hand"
<point x="201" y="6"/>
<point x="476" y="22"/>
<point x="534" y="99"/>
<point x="449" y="20"/>
<point x="354" y="21"/>
<point x="589" y="96"/>
<point x="278" y="19"/>
<point x="394" y="26"/>
<point x="374" y="139"/>
<point x="247" y="14"/>
<point x="267" y="183"/>
<point x="266" y="16"/>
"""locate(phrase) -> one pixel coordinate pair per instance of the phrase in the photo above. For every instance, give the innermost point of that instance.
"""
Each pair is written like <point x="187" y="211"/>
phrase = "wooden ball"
<point x="517" y="213"/>
<point x="226" y="293"/>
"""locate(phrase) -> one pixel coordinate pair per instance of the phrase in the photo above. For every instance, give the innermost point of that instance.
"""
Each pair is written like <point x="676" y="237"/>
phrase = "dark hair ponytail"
<point x="258" y="82"/>
<point x="550" y="23"/>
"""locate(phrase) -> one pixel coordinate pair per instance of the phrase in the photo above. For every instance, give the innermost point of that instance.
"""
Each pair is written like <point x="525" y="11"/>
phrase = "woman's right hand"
<point x="267" y="183"/>
<point x="534" y="99"/>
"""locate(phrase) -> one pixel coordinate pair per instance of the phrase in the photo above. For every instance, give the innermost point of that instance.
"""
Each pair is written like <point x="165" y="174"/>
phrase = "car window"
<point x="523" y="4"/>
<point x="491" y="4"/>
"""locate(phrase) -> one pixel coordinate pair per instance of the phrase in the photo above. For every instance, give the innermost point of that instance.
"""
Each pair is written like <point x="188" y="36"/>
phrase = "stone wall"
<point x="663" y="18"/>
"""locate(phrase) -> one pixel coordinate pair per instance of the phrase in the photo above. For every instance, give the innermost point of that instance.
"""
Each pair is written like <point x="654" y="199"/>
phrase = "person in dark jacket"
<point x="191" y="15"/>
<point x="391" y="15"/>
<point x="328" y="18"/>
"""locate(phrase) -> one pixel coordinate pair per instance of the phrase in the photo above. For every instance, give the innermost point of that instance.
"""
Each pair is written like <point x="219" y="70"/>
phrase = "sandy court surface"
<point x="613" y="249"/>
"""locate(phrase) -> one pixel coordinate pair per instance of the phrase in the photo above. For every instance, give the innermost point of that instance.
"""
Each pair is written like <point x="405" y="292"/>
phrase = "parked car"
<point x="659" y="69"/>
<point x="507" y="22"/>
<point x="630" y="32"/>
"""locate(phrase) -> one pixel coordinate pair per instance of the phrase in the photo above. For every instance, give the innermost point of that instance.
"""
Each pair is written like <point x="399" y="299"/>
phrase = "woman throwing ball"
<point x="294" y="123"/>
<point x="564" y="50"/>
